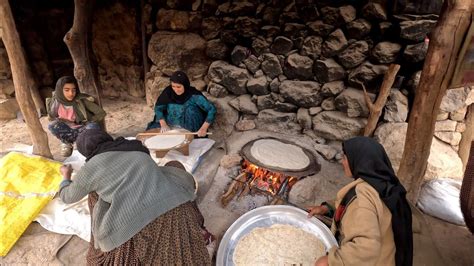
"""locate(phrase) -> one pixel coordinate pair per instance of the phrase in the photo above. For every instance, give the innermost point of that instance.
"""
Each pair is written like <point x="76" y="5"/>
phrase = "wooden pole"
<point x="20" y="72"/>
<point x="445" y="45"/>
<point x="467" y="136"/>
<point x="79" y="42"/>
<point x="144" y="46"/>
<point x="376" y="109"/>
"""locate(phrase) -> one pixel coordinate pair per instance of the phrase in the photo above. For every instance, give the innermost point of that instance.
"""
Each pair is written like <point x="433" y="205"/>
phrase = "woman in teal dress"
<point x="181" y="105"/>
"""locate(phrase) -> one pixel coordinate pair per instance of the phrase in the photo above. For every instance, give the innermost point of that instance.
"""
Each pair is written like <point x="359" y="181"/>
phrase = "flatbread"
<point x="279" y="244"/>
<point x="274" y="153"/>
<point x="162" y="142"/>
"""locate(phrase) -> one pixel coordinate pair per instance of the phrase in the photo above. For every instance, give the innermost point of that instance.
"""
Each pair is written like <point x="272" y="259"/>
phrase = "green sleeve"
<point x="98" y="114"/>
<point x="208" y="107"/>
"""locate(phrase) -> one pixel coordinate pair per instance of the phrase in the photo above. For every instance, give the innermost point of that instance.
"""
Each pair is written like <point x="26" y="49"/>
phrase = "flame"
<point x="264" y="179"/>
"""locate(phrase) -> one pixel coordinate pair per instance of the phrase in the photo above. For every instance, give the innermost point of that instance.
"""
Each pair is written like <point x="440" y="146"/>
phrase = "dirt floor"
<point x="127" y="118"/>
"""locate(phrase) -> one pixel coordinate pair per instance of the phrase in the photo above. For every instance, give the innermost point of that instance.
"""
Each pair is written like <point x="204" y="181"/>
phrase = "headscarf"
<point x="369" y="161"/>
<point x="96" y="141"/>
<point x="169" y="96"/>
<point x="58" y="91"/>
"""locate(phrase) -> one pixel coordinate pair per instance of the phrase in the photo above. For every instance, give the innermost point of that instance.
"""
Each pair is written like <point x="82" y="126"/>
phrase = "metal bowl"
<point x="267" y="216"/>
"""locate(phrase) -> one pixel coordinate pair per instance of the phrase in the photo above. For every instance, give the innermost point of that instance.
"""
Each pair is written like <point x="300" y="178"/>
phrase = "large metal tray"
<point x="264" y="217"/>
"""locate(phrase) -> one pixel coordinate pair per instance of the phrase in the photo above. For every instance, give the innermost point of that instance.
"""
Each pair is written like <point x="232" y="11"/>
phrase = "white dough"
<point x="161" y="142"/>
<point x="275" y="153"/>
<point x="279" y="244"/>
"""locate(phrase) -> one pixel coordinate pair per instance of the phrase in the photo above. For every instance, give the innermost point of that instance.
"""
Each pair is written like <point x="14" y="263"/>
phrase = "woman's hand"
<point x="202" y="132"/>
<point x="164" y="126"/>
<point x="66" y="171"/>
<point x="322" y="261"/>
<point x="317" y="210"/>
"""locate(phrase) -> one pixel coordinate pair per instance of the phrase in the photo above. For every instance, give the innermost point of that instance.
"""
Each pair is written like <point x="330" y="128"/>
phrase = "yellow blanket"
<point x="27" y="184"/>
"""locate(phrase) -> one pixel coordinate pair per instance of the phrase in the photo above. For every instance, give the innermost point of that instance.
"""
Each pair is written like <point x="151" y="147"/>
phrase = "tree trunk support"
<point x="445" y="45"/>
<point x="376" y="109"/>
<point x="21" y="77"/>
<point x="467" y="136"/>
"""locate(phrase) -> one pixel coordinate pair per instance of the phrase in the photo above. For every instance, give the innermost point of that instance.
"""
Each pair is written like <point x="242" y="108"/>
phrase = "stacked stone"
<point x="8" y="105"/>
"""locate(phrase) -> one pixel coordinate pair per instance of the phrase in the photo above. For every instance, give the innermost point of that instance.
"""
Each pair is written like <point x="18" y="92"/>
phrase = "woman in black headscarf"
<point x="181" y="105"/>
<point x="372" y="219"/>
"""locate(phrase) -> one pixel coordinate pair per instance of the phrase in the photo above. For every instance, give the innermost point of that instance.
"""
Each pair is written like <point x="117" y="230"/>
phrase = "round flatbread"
<point x="163" y="142"/>
<point x="274" y="153"/>
<point x="279" y="244"/>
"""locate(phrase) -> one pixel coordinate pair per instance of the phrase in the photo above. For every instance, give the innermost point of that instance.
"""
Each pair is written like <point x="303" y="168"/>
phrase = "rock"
<point x="271" y="65"/>
<point x="347" y="13"/>
<point x="245" y="125"/>
<point x="155" y="83"/>
<point x="223" y="9"/>
<point x="188" y="53"/>
<point x="269" y="31"/>
<point x="260" y="46"/>
<point x="312" y="47"/>
<point x="217" y="90"/>
<point x="271" y="14"/>
<point x="6" y="87"/>
<point x="392" y="137"/>
<point x="416" y="30"/>
<point x="366" y="73"/>
<point x="385" y="27"/>
<point x="386" y="52"/>
<point x="230" y="160"/>
<point x="225" y="119"/>
<point x="174" y="20"/>
<point x="452" y="138"/>
<point x="396" y="108"/>
<point x="442" y="116"/>
<point x="319" y="28"/>
<point x="5" y="69"/>
<point x="415" y="53"/>
<point x="8" y="108"/>
<point x="244" y="104"/>
<point x="315" y="110"/>
<point x="313" y="136"/>
<point x="252" y="63"/>
<point x="328" y="104"/>
<point x="216" y="49"/>
<point x="242" y="8"/>
<point x="335" y="42"/>
<point x="308" y="12"/>
<point x="247" y="27"/>
<point x="281" y="45"/>
<point x="414" y="80"/>
<point x="446" y="125"/>
<point x="275" y="121"/>
<point x="285" y="107"/>
<point x="328" y="70"/>
<point x="460" y="127"/>
<point x="258" y="86"/>
<point x="358" y="28"/>
<point x="233" y="78"/>
<point x="294" y="30"/>
<point x="338" y="16"/>
<point x="303" y="118"/>
<point x="375" y="11"/>
<point x="199" y="84"/>
<point x="443" y="162"/>
<point x="230" y="37"/>
<point x="265" y="102"/>
<point x="354" y="55"/>
<point x="210" y="28"/>
<point x="239" y="54"/>
<point x="332" y="88"/>
<point x="336" y="125"/>
<point x="458" y="115"/>
<point x="326" y="151"/>
<point x="298" y="67"/>
<point x="352" y="102"/>
<point x="454" y="99"/>
<point x="301" y="93"/>
<point x="275" y="85"/>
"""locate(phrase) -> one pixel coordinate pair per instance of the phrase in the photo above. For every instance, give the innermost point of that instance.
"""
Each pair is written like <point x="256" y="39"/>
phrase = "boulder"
<point x="239" y="54"/>
<point x="285" y="107"/>
<point x="454" y="99"/>
<point x="295" y="30"/>
<point x="319" y="28"/>
<point x="385" y="27"/>
<point x="354" y="55"/>
<point x="271" y="14"/>
<point x="312" y="47"/>
<point x="338" y="15"/>
<point x="174" y="20"/>
<point x="373" y="10"/>
<point x="260" y="46"/>
<point x="392" y="137"/>
<point x="252" y="63"/>
<point x="244" y="104"/>
<point x="461" y="127"/>
<point x="226" y="117"/>
<point x="242" y="8"/>
<point x="280" y="122"/>
<point x="230" y="160"/>
<point x="217" y="90"/>
<point x="452" y="138"/>
<point x="366" y="73"/>
<point x="328" y="104"/>
<point x="352" y="102"/>
<point x="271" y="65"/>
<point x="303" y="118"/>
<point x="188" y="53"/>
<point x="281" y="45"/>
<point x="416" y="30"/>
<point x="216" y="49"/>
<point x="275" y="85"/>
<point x="443" y="161"/>
<point x="301" y="93"/>
<point x="233" y="78"/>
<point x="335" y="42"/>
<point x="328" y="70"/>
<point x="459" y="114"/>
<point x="307" y="11"/>
<point x="210" y="28"/>
<point x="386" y="52"/>
<point x="270" y="32"/>
<point x="155" y="83"/>
<point x="5" y="69"/>
<point x="358" y="28"/>
<point x="245" y="125"/>
<point x="298" y="67"/>
<point x="6" y="87"/>
<point x="335" y="125"/>
<point x="332" y="88"/>
<point x="265" y="102"/>
<point x="230" y="37"/>
<point x="415" y="53"/>
<point x="247" y="27"/>
<point x="258" y="86"/>
<point x="8" y="108"/>
<point x="328" y="152"/>
<point x="446" y="125"/>
<point x="396" y="108"/>
<point x="315" y="110"/>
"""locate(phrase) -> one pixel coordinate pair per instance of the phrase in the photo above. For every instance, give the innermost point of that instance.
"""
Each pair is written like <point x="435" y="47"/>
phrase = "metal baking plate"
<point x="264" y="217"/>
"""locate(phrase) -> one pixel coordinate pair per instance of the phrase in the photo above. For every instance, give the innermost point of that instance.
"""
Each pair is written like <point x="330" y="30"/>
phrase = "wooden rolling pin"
<point x="168" y="133"/>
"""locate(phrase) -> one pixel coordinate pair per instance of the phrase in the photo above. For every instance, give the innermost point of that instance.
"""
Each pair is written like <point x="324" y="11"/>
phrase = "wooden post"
<point x="79" y="42"/>
<point x="376" y="109"/>
<point x="144" y="46"/>
<point x="445" y="45"/>
<point x="20" y="72"/>
<point x="467" y="137"/>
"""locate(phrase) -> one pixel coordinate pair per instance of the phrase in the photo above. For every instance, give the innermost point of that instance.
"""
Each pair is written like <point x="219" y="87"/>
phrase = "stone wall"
<point x="8" y="105"/>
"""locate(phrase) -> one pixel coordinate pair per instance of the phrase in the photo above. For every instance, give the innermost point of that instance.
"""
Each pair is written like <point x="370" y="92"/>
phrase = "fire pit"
<point x="274" y="181"/>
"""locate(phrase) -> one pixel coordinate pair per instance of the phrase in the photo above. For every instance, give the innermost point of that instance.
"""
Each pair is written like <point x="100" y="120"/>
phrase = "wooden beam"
<point x="21" y="79"/>
<point x="467" y="136"/>
<point x="445" y="45"/>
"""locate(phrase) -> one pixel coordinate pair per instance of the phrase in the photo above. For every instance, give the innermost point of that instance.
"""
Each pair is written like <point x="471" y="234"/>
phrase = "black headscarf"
<point x="169" y="96"/>
<point x="368" y="160"/>
<point x="58" y="91"/>
<point x="95" y="141"/>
